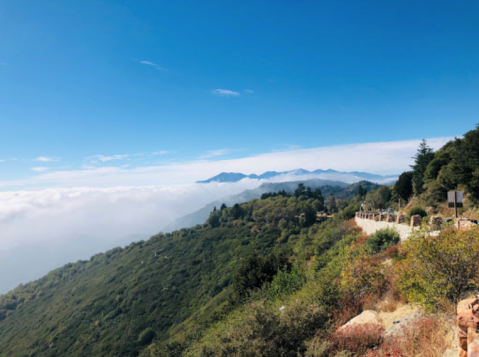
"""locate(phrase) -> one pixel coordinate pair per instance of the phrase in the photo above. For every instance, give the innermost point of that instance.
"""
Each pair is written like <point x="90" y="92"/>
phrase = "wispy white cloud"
<point x="40" y="169"/>
<point x="137" y="156"/>
<point x="381" y="158"/>
<point x="215" y="153"/>
<point x="249" y="91"/>
<point x="105" y="158"/>
<point x="46" y="159"/>
<point x="225" y="93"/>
<point x="154" y="65"/>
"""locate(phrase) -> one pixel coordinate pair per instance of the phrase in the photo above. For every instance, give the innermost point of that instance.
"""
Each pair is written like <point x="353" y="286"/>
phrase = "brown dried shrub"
<point x="357" y="338"/>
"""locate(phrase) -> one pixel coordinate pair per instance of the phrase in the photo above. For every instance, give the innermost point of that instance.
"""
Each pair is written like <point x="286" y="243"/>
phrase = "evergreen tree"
<point x="330" y="204"/>
<point x="214" y="219"/>
<point x="319" y="203"/>
<point x="300" y="190"/>
<point x="309" y="193"/>
<point x="423" y="157"/>
<point x="361" y="191"/>
<point x="309" y="215"/>
<point x="318" y="195"/>
<point x="403" y="186"/>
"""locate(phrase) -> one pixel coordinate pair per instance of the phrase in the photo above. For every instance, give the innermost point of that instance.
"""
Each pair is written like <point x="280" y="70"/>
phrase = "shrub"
<point x="255" y="271"/>
<point x="392" y="251"/>
<point x="424" y="336"/>
<point x="146" y="336"/>
<point x="382" y="239"/>
<point x="416" y="211"/>
<point x="285" y="283"/>
<point x="318" y="348"/>
<point x="439" y="267"/>
<point x="362" y="280"/>
<point x="265" y="331"/>
<point x="357" y="338"/>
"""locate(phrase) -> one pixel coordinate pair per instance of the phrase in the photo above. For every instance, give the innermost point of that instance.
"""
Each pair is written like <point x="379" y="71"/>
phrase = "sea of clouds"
<point x="86" y="211"/>
<point x="107" y="213"/>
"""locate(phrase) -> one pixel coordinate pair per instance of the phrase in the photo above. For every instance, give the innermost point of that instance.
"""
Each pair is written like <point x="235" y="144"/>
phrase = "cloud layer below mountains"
<point x="107" y="213"/>
<point x="104" y="206"/>
<point x="380" y="158"/>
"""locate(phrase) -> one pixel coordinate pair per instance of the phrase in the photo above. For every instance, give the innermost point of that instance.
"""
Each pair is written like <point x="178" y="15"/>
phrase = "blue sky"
<point x="86" y="85"/>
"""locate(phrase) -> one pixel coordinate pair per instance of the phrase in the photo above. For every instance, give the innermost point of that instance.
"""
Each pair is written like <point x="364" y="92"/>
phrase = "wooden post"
<point x="455" y="204"/>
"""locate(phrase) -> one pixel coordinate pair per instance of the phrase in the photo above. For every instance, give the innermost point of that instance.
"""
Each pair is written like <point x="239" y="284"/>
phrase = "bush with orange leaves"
<point x="392" y="251"/>
<point x="353" y="226"/>
<point x="357" y="338"/>
<point x="427" y="336"/>
<point x="363" y="280"/>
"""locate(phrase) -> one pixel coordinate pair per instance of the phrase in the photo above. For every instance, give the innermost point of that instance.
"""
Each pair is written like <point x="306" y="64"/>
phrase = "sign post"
<point x="454" y="199"/>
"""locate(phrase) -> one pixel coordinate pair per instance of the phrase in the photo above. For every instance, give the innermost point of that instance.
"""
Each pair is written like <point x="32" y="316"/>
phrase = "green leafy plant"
<point x="382" y="239"/>
<point x="416" y="211"/>
<point x="285" y="283"/>
<point x="438" y="268"/>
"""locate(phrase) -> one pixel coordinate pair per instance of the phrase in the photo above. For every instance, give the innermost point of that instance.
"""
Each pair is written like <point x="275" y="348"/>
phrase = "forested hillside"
<point x="338" y="189"/>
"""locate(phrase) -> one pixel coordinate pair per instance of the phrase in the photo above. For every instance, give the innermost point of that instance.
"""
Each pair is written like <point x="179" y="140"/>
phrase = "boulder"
<point x="400" y="325"/>
<point x="416" y="220"/>
<point x="368" y="316"/>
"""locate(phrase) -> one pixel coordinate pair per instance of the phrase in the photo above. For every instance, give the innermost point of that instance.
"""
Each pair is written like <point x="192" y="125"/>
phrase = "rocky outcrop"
<point x="366" y="317"/>
<point x="399" y="326"/>
<point x="468" y="323"/>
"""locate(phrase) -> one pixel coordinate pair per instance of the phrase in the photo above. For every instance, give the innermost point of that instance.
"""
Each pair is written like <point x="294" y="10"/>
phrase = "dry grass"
<point x="357" y="338"/>
<point x="387" y="305"/>
<point x="361" y="240"/>
<point x="427" y="336"/>
<point x="392" y="251"/>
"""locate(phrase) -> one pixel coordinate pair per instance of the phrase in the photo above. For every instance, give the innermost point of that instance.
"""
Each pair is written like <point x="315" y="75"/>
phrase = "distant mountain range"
<point x="349" y="177"/>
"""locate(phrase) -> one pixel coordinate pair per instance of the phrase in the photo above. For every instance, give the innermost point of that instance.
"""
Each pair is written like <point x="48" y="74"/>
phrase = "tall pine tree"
<point x="423" y="157"/>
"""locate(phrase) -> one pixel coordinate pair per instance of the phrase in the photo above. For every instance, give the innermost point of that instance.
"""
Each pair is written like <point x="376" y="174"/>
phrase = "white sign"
<point x="450" y="196"/>
<point x="459" y="198"/>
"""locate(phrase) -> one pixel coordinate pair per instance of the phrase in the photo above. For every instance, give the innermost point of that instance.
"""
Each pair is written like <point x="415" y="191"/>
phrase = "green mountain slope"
<point x="338" y="189"/>
<point x="117" y="302"/>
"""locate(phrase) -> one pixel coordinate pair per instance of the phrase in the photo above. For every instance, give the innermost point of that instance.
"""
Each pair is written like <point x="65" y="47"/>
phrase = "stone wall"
<point x="463" y="224"/>
<point x="370" y="226"/>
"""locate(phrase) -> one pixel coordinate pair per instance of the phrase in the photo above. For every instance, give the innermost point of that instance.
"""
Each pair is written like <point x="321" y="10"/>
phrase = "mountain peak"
<point x="338" y="175"/>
